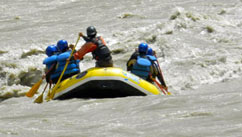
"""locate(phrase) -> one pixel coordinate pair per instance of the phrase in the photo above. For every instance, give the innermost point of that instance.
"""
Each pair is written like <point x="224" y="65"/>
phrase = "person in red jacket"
<point x="97" y="46"/>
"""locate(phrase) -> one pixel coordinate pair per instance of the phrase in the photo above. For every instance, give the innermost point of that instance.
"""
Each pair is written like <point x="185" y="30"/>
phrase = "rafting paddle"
<point x="39" y="99"/>
<point x="158" y="84"/>
<point x="52" y="92"/>
<point x="161" y="75"/>
<point x="161" y="87"/>
<point x="36" y="86"/>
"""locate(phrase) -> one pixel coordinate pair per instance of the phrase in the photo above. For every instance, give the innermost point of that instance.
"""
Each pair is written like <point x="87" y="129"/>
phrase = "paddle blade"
<point x="34" y="89"/>
<point x="39" y="99"/>
<point x="169" y="93"/>
<point x="47" y="98"/>
<point x="159" y="86"/>
<point x="52" y="93"/>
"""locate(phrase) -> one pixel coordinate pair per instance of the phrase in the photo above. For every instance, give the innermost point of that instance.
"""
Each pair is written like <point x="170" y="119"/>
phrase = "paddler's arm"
<point x="84" y="37"/>
<point x="162" y="81"/>
<point x="155" y="72"/>
<point x="132" y="60"/>
<point x="130" y="64"/>
<point x="49" y="71"/>
<point x="72" y="47"/>
<point x="86" y="48"/>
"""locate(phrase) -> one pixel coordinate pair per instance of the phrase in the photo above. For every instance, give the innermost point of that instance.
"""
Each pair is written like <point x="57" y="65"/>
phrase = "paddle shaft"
<point x="50" y="69"/>
<point x="44" y="88"/>
<point x="36" y="86"/>
<point x="39" y="99"/>
<point x="67" y="62"/>
<point x="160" y="70"/>
<point x="158" y="84"/>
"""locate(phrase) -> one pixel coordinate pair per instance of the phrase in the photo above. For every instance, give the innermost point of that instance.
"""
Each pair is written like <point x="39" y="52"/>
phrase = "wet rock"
<point x="31" y="77"/>
<point x="12" y="79"/>
<point x="9" y="64"/>
<point x="222" y="12"/>
<point x="17" y="18"/>
<point x="24" y="78"/>
<point x="12" y="91"/>
<point x="32" y="52"/>
<point x="2" y="74"/>
<point x="209" y="29"/>
<point x="151" y="39"/>
<point x="175" y="15"/>
<point x="192" y="17"/>
<point x="117" y="51"/>
<point x="2" y="52"/>
<point x="126" y="15"/>
<point x="130" y="15"/>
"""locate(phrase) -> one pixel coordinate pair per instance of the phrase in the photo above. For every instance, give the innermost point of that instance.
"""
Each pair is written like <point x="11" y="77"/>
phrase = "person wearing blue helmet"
<point x="150" y="51"/>
<point x="137" y="52"/>
<point x="139" y="64"/>
<point x="134" y="56"/>
<point x="50" y="62"/>
<point x="156" y="70"/>
<point x="62" y="45"/>
<point x="51" y="50"/>
<point x="143" y="48"/>
<point x="59" y="60"/>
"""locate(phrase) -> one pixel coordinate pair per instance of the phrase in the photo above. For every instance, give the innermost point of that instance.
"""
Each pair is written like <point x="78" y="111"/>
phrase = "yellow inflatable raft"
<point x="104" y="83"/>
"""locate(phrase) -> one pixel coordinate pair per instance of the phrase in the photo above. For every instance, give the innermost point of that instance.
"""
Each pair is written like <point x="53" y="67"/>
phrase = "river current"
<point x="199" y="48"/>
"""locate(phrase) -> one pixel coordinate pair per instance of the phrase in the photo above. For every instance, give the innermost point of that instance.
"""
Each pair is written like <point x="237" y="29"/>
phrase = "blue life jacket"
<point x="73" y="66"/>
<point x="49" y="61"/>
<point x="154" y="64"/>
<point x="152" y="58"/>
<point x="142" y="67"/>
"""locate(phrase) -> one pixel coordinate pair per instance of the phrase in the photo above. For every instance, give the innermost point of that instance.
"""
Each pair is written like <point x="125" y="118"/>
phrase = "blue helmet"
<point x="150" y="51"/>
<point x="143" y="47"/>
<point x="62" y="45"/>
<point x="50" y="50"/>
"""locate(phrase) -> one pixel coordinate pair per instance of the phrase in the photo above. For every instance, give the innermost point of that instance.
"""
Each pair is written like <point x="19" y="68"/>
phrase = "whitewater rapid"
<point x="198" y="44"/>
<point x="195" y="46"/>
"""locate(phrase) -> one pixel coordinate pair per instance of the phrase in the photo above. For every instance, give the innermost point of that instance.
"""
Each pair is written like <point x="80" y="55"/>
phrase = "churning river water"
<point x="199" y="48"/>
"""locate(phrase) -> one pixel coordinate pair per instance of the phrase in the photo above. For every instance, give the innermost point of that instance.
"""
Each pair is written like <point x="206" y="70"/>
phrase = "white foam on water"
<point x="198" y="44"/>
